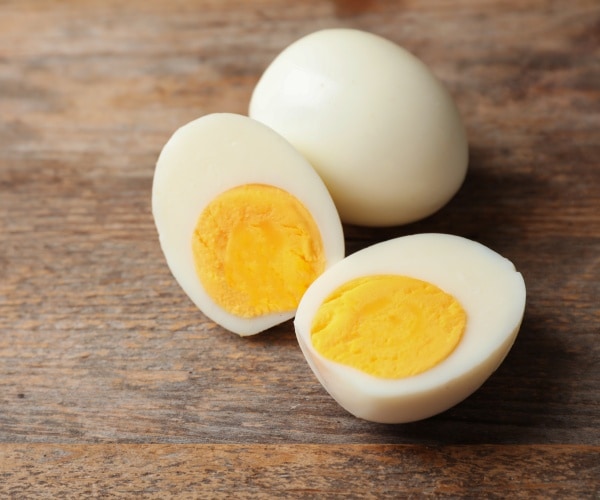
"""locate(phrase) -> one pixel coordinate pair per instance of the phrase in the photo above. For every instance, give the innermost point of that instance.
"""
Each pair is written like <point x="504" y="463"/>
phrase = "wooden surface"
<point x="113" y="384"/>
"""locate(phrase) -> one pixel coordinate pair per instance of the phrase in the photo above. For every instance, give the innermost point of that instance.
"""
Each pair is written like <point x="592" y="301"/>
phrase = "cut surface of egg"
<point x="405" y="329"/>
<point x="382" y="131"/>
<point x="244" y="221"/>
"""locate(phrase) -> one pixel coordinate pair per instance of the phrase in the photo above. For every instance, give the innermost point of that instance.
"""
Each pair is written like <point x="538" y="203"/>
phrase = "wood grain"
<point x="102" y="356"/>
<point x="298" y="471"/>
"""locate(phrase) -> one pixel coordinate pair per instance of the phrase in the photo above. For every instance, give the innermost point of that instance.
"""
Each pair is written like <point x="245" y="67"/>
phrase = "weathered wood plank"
<point x="307" y="471"/>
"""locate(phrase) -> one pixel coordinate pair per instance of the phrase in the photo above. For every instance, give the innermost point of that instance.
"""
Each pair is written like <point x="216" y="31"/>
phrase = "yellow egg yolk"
<point x="388" y="326"/>
<point x="256" y="250"/>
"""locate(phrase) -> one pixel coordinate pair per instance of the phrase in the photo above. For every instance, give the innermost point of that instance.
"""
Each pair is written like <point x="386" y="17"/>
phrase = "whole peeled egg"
<point x="242" y="236"/>
<point x="405" y="329"/>
<point x="381" y="130"/>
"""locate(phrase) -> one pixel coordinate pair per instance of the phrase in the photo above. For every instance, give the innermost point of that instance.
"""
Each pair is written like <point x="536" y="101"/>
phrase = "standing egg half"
<point x="378" y="126"/>
<point x="407" y="328"/>
<point x="244" y="221"/>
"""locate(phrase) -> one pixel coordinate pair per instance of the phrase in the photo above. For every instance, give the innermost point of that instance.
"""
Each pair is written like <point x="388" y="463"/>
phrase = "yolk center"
<point x="389" y="326"/>
<point x="256" y="250"/>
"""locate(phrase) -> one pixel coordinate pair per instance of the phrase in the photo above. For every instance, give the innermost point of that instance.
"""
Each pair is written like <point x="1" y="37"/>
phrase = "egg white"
<point x="488" y="287"/>
<point x="215" y="153"/>
<point x="378" y="126"/>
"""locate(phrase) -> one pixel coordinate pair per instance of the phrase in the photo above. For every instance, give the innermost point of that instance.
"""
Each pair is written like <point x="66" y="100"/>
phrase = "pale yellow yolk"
<point x="389" y="326"/>
<point x="256" y="250"/>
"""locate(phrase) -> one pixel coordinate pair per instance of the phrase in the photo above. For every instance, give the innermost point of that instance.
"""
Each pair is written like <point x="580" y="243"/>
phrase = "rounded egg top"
<point x="382" y="131"/>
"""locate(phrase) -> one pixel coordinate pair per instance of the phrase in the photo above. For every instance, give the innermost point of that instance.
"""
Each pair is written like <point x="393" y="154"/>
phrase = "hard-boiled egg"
<point x="382" y="131"/>
<point x="407" y="328"/>
<point x="244" y="221"/>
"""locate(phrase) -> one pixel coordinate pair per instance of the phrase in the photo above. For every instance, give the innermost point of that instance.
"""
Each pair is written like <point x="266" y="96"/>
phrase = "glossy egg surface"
<point x="382" y="131"/>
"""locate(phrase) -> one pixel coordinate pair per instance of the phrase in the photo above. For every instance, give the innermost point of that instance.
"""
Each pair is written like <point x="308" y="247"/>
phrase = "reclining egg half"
<point x="407" y="328"/>
<point x="381" y="130"/>
<point x="244" y="221"/>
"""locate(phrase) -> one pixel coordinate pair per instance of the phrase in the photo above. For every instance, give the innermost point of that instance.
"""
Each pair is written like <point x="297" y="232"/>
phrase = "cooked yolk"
<point x="256" y="250"/>
<point x="389" y="326"/>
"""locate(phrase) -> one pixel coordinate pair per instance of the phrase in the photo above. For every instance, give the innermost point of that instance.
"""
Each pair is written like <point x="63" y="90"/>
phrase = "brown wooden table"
<point x="113" y="384"/>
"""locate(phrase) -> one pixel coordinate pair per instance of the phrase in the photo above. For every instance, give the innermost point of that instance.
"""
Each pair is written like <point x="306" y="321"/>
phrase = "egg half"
<point x="407" y="328"/>
<point x="244" y="221"/>
<point x="380" y="128"/>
